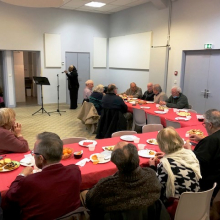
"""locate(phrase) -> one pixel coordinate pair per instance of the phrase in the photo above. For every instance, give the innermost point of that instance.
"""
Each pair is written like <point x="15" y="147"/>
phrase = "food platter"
<point x="152" y="141"/>
<point x="183" y="114"/>
<point x="196" y="132"/>
<point x="147" y="153"/>
<point x="128" y="137"/>
<point x="99" y="158"/>
<point x="7" y="167"/>
<point x="85" y="143"/>
<point x="108" y="148"/>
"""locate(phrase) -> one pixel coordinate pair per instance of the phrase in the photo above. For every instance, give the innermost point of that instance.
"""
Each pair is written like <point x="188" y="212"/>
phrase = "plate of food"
<point x="181" y="119"/>
<point x="147" y="153"/>
<point x="152" y="141"/>
<point x="99" y="158"/>
<point x="162" y="108"/>
<point x="196" y="132"/>
<point x="149" y="102"/>
<point x="108" y="148"/>
<point x="160" y="112"/>
<point x="85" y="143"/>
<point x="7" y="165"/>
<point x="141" y="102"/>
<point x="183" y="114"/>
<point x="128" y="137"/>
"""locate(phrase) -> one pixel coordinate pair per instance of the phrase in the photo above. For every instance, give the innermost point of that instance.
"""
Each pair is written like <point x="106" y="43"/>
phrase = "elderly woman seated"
<point x="178" y="170"/>
<point x="96" y="98"/>
<point x="11" y="139"/>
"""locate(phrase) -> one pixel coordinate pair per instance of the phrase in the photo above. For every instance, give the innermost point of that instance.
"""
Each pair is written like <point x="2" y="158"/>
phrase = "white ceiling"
<point x="79" y="5"/>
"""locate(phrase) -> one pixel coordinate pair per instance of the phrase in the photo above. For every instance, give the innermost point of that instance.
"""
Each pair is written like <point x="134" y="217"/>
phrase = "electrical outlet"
<point x="175" y="81"/>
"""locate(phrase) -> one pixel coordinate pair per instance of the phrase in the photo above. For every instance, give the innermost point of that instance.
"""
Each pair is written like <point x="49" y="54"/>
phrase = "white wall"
<point x="24" y="29"/>
<point x="142" y="18"/>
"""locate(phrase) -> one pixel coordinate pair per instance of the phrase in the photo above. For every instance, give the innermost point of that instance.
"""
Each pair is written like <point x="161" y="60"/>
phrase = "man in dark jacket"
<point x="149" y="94"/>
<point x="73" y="86"/>
<point x="130" y="188"/>
<point x="176" y="100"/>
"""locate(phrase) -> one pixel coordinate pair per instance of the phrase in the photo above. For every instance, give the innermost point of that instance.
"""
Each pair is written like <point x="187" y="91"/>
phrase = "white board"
<point x="52" y="43"/>
<point x="130" y="51"/>
<point x="100" y="49"/>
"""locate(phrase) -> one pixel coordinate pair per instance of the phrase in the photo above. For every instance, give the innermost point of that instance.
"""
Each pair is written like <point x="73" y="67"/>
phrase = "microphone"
<point x="63" y="72"/>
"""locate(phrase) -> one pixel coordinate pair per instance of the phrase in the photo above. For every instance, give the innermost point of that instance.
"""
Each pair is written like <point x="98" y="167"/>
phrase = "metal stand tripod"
<point x="58" y="97"/>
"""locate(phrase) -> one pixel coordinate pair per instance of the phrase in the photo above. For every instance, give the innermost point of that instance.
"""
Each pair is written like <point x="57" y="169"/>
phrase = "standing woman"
<point x="73" y="85"/>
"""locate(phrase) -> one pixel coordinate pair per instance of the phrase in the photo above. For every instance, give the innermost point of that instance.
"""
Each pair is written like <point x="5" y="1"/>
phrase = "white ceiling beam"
<point x="160" y="4"/>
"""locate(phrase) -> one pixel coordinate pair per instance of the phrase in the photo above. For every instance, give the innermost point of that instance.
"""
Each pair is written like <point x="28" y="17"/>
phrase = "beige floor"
<point x="66" y="125"/>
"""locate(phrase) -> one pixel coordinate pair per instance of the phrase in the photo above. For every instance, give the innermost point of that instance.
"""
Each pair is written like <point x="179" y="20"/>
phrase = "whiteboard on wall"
<point x="100" y="49"/>
<point x="130" y="51"/>
<point x="52" y="49"/>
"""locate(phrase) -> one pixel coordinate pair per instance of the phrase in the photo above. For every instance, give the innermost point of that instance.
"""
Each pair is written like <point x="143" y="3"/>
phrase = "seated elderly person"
<point x="176" y="100"/>
<point x="48" y="194"/>
<point x="130" y="188"/>
<point x="207" y="150"/>
<point x="158" y="94"/>
<point x="134" y="91"/>
<point x="149" y="94"/>
<point x="96" y="98"/>
<point x="178" y="170"/>
<point x="88" y="90"/>
<point x="11" y="139"/>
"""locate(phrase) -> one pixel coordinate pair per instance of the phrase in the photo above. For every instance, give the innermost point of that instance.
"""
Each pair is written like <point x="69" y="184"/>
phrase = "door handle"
<point x="204" y="93"/>
<point x="207" y="93"/>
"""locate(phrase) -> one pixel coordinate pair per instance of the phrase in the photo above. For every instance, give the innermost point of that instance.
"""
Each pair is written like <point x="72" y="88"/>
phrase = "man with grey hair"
<point x="207" y="150"/>
<point x="149" y="95"/>
<point x="158" y="94"/>
<point x="176" y="100"/>
<point x="48" y="194"/>
<point x="130" y="188"/>
<point x="88" y="90"/>
<point x="133" y="91"/>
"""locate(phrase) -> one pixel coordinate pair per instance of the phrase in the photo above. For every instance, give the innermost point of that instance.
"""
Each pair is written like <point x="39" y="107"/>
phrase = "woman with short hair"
<point x="178" y="170"/>
<point x="11" y="139"/>
<point x="96" y="97"/>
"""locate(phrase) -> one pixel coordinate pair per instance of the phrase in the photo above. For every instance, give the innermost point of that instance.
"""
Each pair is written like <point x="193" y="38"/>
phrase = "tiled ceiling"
<point x="79" y="5"/>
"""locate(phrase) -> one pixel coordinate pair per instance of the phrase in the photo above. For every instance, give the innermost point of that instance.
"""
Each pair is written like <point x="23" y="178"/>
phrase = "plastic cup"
<point x="100" y="157"/>
<point x="136" y="140"/>
<point x="187" y="134"/>
<point x="188" y="117"/>
<point x="91" y="147"/>
<point x="166" y="110"/>
<point x="141" y="146"/>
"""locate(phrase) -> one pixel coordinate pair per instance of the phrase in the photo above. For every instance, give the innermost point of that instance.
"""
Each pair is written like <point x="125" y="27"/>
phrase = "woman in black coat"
<point x="73" y="85"/>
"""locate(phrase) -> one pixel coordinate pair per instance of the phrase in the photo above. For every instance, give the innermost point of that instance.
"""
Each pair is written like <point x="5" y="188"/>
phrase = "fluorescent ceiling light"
<point x="95" y="4"/>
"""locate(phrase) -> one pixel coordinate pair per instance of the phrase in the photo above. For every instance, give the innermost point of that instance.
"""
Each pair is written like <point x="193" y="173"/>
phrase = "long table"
<point x="92" y="173"/>
<point x="170" y="115"/>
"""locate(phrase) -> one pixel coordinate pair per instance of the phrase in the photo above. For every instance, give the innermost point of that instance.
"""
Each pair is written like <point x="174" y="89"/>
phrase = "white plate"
<point x="181" y="119"/>
<point x="145" y="153"/>
<point x="81" y="143"/>
<point x="103" y="161"/>
<point x="104" y="148"/>
<point x="160" y="112"/>
<point x="148" y="102"/>
<point x="148" y="141"/>
<point x="27" y="162"/>
<point x="145" y="107"/>
<point x="133" y="98"/>
<point x="128" y="137"/>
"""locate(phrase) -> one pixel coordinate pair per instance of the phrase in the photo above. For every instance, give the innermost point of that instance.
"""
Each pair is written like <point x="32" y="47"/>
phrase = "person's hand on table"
<point x="187" y="145"/>
<point x="159" y="155"/>
<point x="162" y="103"/>
<point x="152" y="161"/>
<point x="27" y="171"/>
<point x="195" y="137"/>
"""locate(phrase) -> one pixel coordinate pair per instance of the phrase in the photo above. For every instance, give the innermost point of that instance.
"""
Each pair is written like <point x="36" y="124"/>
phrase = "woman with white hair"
<point x="73" y="85"/>
<point x="88" y="90"/>
<point x="178" y="170"/>
<point x="96" y="97"/>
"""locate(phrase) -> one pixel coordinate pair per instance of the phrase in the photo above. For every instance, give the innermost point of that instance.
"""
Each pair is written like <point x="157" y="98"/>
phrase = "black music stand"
<point x="41" y="81"/>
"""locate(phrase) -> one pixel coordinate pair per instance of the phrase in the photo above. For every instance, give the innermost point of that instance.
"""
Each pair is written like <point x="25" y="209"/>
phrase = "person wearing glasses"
<point x="11" y="138"/>
<point x="207" y="150"/>
<point x="49" y="194"/>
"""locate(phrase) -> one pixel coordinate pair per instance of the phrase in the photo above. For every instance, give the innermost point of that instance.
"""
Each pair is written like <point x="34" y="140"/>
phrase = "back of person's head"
<point x="169" y="140"/>
<point x="7" y="115"/>
<point x="213" y="116"/>
<point x="99" y="88"/>
<point x="125" y="157"/>
<point x="50" y="146"/>
<point x="157" y="87"/>
<point x="111" y="88"/>
<point x="71" y="68"/>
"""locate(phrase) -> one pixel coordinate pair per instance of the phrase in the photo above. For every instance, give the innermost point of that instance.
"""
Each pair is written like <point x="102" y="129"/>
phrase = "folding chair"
<point x="120" y="133"/>
<point x="153" y="119"/>
<point x="72" y="140"/>
<point x="151" y="128"/>
<point x="174" y="124"/>
<point x="139" y="118"/>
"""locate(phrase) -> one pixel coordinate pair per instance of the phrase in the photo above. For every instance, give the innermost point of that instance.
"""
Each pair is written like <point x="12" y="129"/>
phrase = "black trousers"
<point x="73" y="97"/>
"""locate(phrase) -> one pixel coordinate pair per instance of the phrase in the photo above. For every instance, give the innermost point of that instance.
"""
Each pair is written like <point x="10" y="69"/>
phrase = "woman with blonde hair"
<point x="178" y="170"/>
<point x="96" y="97"/>
<point x="11" y="139"/>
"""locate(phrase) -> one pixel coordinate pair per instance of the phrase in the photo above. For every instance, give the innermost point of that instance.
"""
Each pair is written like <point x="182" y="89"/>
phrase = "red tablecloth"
<point x="91" y="173"/>
<point x="170" y="115"/>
